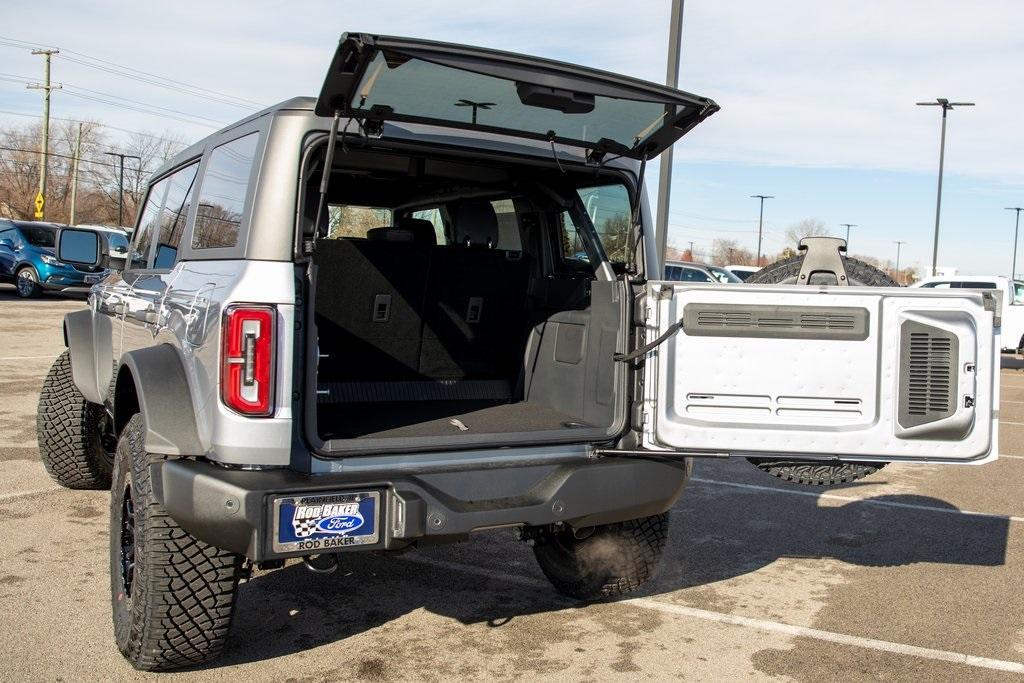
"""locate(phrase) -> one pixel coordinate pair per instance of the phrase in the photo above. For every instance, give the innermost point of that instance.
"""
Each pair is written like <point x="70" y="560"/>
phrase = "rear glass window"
<point x="222" y="195"/>
<point x="39" y="236"/>
<point x="429" y="91"/>
<point x="355" y="221"/>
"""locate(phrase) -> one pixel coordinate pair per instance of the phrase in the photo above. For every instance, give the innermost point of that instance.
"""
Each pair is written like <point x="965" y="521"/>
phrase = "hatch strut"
<point x="325" y="178"/>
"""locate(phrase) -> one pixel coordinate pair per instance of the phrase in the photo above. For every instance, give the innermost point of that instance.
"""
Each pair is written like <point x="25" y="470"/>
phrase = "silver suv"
<point x="428" y="303"/>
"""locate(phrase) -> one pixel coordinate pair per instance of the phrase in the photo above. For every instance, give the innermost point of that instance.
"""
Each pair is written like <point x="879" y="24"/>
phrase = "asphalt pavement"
<point x="916" y="572"/>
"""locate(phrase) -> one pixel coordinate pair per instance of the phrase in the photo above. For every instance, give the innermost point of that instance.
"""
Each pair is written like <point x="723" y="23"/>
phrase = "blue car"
<point x="27" y="260"/>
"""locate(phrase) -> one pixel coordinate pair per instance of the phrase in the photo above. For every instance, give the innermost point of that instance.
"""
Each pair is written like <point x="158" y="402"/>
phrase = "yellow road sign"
<point x="40" y="202"/>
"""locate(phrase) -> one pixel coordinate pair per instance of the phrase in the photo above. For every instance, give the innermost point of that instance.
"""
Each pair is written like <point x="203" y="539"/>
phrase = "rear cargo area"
<point x="459" y="318"/>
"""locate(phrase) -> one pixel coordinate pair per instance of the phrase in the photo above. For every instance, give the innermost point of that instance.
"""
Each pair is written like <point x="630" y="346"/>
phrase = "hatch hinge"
<point x="822" y="255"/>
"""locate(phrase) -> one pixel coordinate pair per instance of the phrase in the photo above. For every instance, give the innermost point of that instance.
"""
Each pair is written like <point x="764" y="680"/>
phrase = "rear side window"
<point x="610" y="212"/>
<point x="978" y="285"/>
<point x="174" y="215"/>
<point x="436" y="219"/>
<point x="222" y="195"/>
<point x="148" y="221"/>
<point x="509" y="238"/>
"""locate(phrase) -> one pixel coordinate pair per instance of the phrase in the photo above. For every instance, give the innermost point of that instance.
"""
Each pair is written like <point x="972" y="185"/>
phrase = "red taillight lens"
<point x="247" y="359"/>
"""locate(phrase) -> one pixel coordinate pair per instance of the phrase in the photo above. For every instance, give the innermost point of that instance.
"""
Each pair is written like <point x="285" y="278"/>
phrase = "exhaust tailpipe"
<point x="321" y="564"/>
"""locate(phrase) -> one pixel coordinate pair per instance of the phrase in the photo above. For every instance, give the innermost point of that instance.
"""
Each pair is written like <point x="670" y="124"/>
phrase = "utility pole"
<point x="44" y="157"/>
<point x="691" y="250"/>
<point x="760" y="223"/>
<point x="946" y="106"/>
<point x="120" y="185"/>
<point x="675" y="37"/>
<point x="848" y="226"/>
<point x="74" y="175"/>
<point x="898" y="243"/>
<point x="1016" y="228"/>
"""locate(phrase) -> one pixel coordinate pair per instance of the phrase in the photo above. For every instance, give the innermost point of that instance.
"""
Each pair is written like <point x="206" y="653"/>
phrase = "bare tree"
<point x="808" y="227"/>
<point x="727" y="251"/>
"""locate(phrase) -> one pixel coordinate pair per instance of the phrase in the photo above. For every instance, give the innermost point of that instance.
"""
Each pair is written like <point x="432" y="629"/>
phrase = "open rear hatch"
<point x="384" y="78"/>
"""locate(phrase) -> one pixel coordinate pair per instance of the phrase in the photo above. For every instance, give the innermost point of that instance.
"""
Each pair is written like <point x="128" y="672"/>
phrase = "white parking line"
<point x="851" y="499"/>
<point x="748" y="622"/>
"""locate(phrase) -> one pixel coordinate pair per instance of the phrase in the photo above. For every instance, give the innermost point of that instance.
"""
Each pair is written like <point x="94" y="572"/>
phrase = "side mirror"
<point x="79" y="247"/>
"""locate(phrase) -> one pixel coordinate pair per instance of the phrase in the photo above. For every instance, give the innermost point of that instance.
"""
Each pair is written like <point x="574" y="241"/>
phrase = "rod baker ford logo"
<point x="330" y="518"/>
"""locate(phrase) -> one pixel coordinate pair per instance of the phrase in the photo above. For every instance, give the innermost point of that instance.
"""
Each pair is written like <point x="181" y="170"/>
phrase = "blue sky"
<point x="818" y="97"/>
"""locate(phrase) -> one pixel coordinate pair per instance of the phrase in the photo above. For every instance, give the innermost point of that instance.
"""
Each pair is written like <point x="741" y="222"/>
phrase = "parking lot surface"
<point x="915" y="572"/>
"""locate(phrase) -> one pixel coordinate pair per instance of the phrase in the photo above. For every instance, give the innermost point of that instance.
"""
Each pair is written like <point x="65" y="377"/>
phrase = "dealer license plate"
<point x="323" y="522"/>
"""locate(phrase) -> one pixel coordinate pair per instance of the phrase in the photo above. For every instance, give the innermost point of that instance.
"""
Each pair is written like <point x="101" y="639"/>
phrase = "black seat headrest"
<point x="476" y="224"/>
<point x="412" y="233"/>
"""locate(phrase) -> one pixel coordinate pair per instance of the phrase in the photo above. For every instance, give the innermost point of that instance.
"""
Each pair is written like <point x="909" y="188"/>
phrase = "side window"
<point x="222" y="195"/>
<point x="436" y="219"/>
<point x="978" y="285"/>
<point x="693" y="275"/>
<point x="139" y="253"/>
<point x="354" y="221"/>
<point x="7" y="236"/>
<point x="610" y="212"/>
<point x="1018" y="292"/>
<point x="937" y="285"/>
<point x="174" y="215"/>
<point x="572" y="243"/>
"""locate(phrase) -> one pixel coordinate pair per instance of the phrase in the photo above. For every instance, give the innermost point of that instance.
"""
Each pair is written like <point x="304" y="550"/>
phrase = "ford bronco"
<point x="427" y="303"/>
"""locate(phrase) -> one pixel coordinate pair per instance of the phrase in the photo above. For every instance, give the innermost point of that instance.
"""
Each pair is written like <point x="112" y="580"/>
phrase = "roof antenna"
<point x="325" y="178"/>
<point x="551" y="139"/>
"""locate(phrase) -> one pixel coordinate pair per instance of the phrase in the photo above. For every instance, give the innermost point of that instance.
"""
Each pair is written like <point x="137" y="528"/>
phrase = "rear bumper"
<point x="232" y="509"/>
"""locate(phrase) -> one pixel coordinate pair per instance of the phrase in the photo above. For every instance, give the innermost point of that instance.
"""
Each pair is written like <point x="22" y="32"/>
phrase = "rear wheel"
<point x="818" y="472"/>
<point x="603" y="561"/>
<point x="173" y="595"/>
<point x="27" y="282"/>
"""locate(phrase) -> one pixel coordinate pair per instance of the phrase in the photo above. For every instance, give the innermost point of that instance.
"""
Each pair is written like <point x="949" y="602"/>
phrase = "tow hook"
<point x="321" y="564"/>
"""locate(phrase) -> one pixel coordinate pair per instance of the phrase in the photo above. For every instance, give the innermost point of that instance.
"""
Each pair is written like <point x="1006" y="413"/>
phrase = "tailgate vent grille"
<point x="928" y="362"/>
<point x="778" y="322"/>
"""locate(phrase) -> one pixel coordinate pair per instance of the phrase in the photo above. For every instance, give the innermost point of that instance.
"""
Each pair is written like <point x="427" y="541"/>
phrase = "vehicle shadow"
<point x="9" y="293"/>
<point x="717" y="533"/>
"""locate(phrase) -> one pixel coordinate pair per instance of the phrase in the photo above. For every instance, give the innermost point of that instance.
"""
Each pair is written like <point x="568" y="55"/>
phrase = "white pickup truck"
<point x="1013" y="301"/>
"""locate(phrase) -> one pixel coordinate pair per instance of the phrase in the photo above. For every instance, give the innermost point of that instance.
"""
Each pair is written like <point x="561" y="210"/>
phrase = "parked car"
<point x="284" y="379"/>
<point x="1012" y="305"/>
<point x="691" y="271"/>
<point x="27" y="260"/>
<point x="742" y="272"/>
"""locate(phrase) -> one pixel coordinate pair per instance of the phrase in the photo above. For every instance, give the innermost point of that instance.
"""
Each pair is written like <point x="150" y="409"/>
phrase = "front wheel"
<point x="173" y="595"/>
<point x="27" y="282"/>
<point x="603" y="561"/>
<point x="75" y="439"/>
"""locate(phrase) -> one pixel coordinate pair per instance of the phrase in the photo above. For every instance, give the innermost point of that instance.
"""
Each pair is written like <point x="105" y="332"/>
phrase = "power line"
<point x="93" y="123"/>
<point x="63" y="156"/>
<point x="141" y="76"/>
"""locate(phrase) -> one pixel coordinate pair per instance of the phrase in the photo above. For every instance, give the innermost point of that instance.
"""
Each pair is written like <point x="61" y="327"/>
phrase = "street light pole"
<point x="675" y="34"/>
<point x="848" y="226"/>
<point x="898" y="243"/>
<point x="120" y="184"/>
<point x="1016" y="228"/>
<point x="760" y="222"/>
<point x="946" y="105"/>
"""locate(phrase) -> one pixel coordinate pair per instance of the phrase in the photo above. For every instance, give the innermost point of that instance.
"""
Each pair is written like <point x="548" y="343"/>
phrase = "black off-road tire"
<point x="818" y="473"/>
<point x="603" y="561"/>
<point x="786" y="271"/>
<point x="173" y="595"/>
<point x="69" y="430"/>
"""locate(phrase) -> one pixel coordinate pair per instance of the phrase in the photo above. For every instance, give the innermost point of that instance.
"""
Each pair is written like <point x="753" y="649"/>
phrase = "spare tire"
<point x="818" y="472"/>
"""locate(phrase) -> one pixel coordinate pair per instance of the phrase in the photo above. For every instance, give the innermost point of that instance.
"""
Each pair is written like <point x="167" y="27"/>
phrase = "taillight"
<point x="247" y="359"/>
